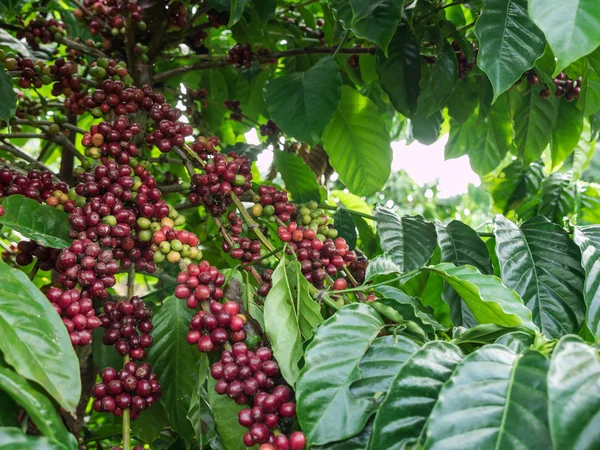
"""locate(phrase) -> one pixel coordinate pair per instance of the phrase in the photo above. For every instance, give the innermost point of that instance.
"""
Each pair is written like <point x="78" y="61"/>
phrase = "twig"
<point x="196" y="66"/>
<point x="14" y="150"/>
<point x="81" y="47"/>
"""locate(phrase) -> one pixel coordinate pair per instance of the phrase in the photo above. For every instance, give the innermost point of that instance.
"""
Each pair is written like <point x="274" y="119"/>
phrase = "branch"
<point x="196" y="66"/>
<point x="14" y="150"/>
<point x="81" y="47"/>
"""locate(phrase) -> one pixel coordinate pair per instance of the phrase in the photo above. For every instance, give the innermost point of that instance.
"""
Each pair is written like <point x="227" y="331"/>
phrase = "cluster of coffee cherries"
<point x="177" y="15"/>
<point x="112" y="95"/>
<point x="217" y="19"/>
<point x="236" y="111"/>
<point x="141" y="51"/>
<point x="77" y="313"/>
<point x="175" y="245"/>
<point x="269" y="129"/>
<point x="112" y="139"/>
<point x="104" y="68"/>
<point x="223" y="175"/>
<point x="240" y="56"/>
<point x="210" y="330"/>
<point x="127" y="326"/>
<point x="109" y="18"/>
<point x="36" y="184"/>
<point x="253" y="377"/>
<point x="464" y="65"/>
<point x="135" y="387"/>
<point x="66" y="79"/>
<point x="273" y="203"/>
<point x="28" y="250"/>
<point x="30" y="72"/>
<point x="41" y="31"/>
<point x="199" y="283"/>
<point x="566" y="87"/>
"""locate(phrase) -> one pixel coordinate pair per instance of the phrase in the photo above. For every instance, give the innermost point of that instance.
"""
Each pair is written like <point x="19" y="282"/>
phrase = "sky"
<point x="422" y="163"/>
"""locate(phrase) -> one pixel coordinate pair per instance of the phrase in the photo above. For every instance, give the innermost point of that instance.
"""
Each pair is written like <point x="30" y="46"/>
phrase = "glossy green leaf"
<point x="572" y="27"/>
<point x="299" y="180"/>
<point x="236" y="11"/>
<point x="44" y="224"/>
<point x="358" y="144"/>
<point x="516" y="184"/>
<point x="34" y="340"/>
<point x="175" y="362"/>
<point x="9" y="413"/>
<point x="588" y="240"/>
<point x="381" y="265"/>
<point x="148" y="428"/>
<point x="557" y="198"/>
<point x="534" y="118"/>
<point x="495" y="399"/>
<point x="517" y="341"/>
<point x="8" y="97"/>
<point x="541" y="263"/>
<point x="509" y="42"/>
<point x="344" y="224"/>
<point x="426" y="130"/>
<point x="487" y="333"/>
<point x="290" y="315"/>
<point x="380" y="25"/>
<point x="489" y="300"/>
<point x="400" y="72"/>
<point x="327" y="411"/>
<point x="351" y="201"/>
<point x="409" y="240"/>
<point x="461" y="245"/>
<point x="303" y="103"/>
<point x="199" y="413"/>
<point x="15" y="439"/>
<point x="412" y="395"/>
<point x="565" y="136"/>
<point x="40" y="408"/>
<point x="362" y="8"/>
<point x="589" y="100"/>
<point x="225" y="412"/>
<point x="265" y="9"/>
<point x="437" y="82"/>
<point x="379" y="365"/>
<point x="574" y="395"/>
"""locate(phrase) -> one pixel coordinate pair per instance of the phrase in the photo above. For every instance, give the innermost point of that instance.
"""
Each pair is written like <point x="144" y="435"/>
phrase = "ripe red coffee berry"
<point x="297" y="440"/>
<point x="340" y="284"/>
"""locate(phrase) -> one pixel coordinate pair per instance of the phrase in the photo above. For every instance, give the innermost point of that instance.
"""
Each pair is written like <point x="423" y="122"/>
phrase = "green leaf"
<point x="426" y="130"/>
<point x="199" y="413"/>
<point x="589" y="100"/>
<point x="299" y="180"/>
<point x="40" y="408"/>
<point x="343" y="223"/>
<point x="8" y="97"/>
<point x="149" y="428"/>
<point x="368" y="241"/>
<point x="516" y="184"/>
<point x="541" y="263"/>
<point x="243" y="149"/>
<point x="358" y="442"/>
<point x="380" y="25"/>
<point x="517" y="341"/>
<point x="409" y="308"/>
<point x="14" y="438"/>
<point x="379" y="365"/>
<point x="237" y="9"/>
<point x="400" y="72"/>
<point x="573" y="396"/>
<point x="409" y="240"/>
<point x="461" y="245"/>
<point x="464" y="100"/>
<point x="44" y="224"/>
<point x="485" y="295"/>
<point x="290" y="313"/>
<point x="495" y="399"/>
<point x="565" y="136"/>
<point x="327" y="412"/>
<point x="412" y="395"/>
<point x="572" y="27"/>
<point x="534" y="119"/>
<point x="351" y="201"/>
<point x="363" y="8"/>
<point x="303" y="103"/>
<point x="175" y="362"/>
<point x="486" y="334"/>
<point x="34" y="340"/>
<point x="265" y="9"/>
<point x="225" y="412"/>
<point x="509" y="42"/>
<point x="437" y="82"/>
<point x="588" y="240"/>
<point x="358" y="144"/>
<point x="557" y="197"/>
<point x="381" y="265"/>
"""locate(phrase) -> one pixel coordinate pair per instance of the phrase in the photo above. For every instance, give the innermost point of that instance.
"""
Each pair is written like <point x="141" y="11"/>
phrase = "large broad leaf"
<point x="409" y="240"/>
<point x="589" y="100"/>
<point x="461" y="245"/>
<point x="150" y="427"/>
<point x="489" y="300"/>
<point x="302" y="104"/>
<point x="236" y="11"/>
<point x="496" y="400"/>
<point x="34" y="340"/>
<point x="358" y="442"/>
<point x="42" y="223"/>
<point x="199" y="413"/>
<point x="379" y="365"/>
<point x="534" y="118"/>
<point x="345" y="226"/>
<point x="225" y="412"/>
<point x="14" y="438"/>
<point x="574" y="395"/>
<point x="565" y="136"/>
<point x="175" y="362"/>
<point x="426" y="130"/>
<point x="485" y="334"/>
<point x="358" y="144"/>
<point x="412" y="395"/>
<point x="437" y="82"/>
<point x="541" y="263"/>
<point x="516" y="184"/>
<point x="299" y="180"/>
<point x="509" y="42"/>
<point x="290" y="314"/>
<point x="400" y="72"/>
<point x="381" y="265"/>
<point x="572" y="28"/>
<point x="40" y="408"/>
<point x="588" y="240"/>
<point x="8" y="97"/>
<point x="557" y="198"/>
<point x="327" y="411"/>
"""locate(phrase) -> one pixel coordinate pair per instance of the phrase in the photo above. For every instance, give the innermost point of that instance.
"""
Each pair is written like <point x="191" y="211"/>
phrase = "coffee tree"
<point x="158" y="291"/>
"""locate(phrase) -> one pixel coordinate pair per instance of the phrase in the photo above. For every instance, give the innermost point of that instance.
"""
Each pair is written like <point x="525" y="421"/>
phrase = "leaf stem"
<point x="342" y="41"/>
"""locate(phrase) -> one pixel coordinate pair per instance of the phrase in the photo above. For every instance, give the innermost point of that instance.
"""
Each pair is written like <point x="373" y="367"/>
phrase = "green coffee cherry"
<point x="164" y="247"/>
<point x="159" y="257"/>
<point x="144" y="223"/>
<point x="173" y="257"/>
<point x="145" y="235"/>
<point x="333" y="233"/>
<point x="154" y="227"/>
<point x="110" y="220"/>
<point x="312" y="205"/>
<point x="257" y="210"/>
<point x="180" y="220"/>
<point x="269" y="210"/>
<point x="176" y="245"/>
